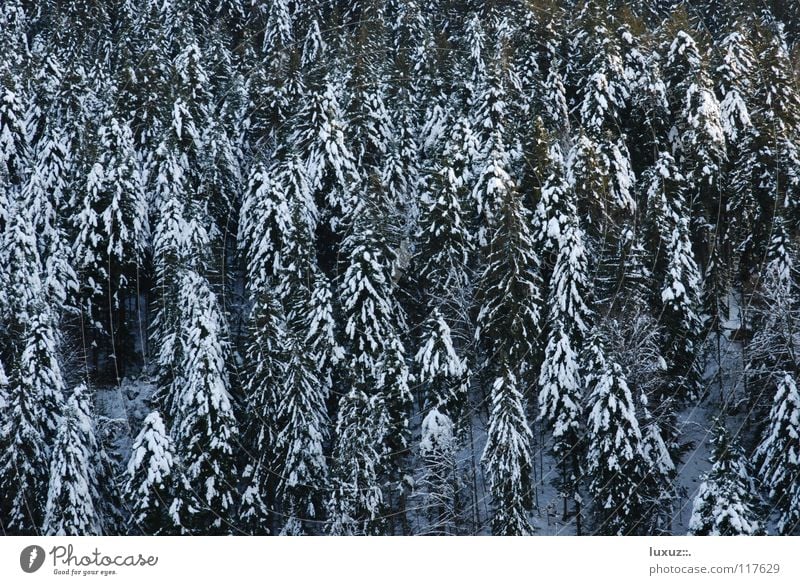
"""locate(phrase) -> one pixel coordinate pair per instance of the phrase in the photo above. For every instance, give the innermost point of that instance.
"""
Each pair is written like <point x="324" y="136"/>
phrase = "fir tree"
<point x="508" y="460"/>
<point x="205" y="429"/>
<point x="366" y="291"/>
<point x="298" y="447"/>
<point x="441" y="368"/>
<point x="47" y="190"/>
<point x="779" y="457"/>
<point x="151" y="480"/>
<point x="356" y="505"/>
<point x="24" y="437"/>
<point x="560" y="384"/>
<point x="266" y="362"/>
<point x="678" y="273"/>
<point x="615" y="461"/>
<point x="103" y="471"/>
<point x="71" y="509"/>
<point x="725" y="504"/>
<point x="509" y="319"/>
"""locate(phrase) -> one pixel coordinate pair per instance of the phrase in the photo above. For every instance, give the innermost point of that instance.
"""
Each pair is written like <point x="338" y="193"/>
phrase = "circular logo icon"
<point x="31" y="558"/>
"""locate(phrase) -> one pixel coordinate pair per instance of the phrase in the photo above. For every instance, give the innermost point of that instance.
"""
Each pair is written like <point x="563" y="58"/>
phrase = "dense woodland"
<point x="398" y="267"/>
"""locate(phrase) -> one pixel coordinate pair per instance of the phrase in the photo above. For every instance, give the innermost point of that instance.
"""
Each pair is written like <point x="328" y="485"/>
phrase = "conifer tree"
<point x="681" y="306"/>
<point x="508" y="460"/>
<point x="151" y="480"/>
<point x="112" y="228"/>
<point x="178" y="241"/>
<point x="298" y="447"/>
<point x="319" y="135"/>
<point x="554" y="210"/>
<point x="14" y="138"/>
<point x="560" y="377"/>
<point x="356" y="505"/>
<point x="32" y="326"/>
<point x="764" y="177"/>
<point x="47" y="190"/>
<point x="71" y="508"/>
<point x="725" y="503"/>
<point x="366" y="291"/>
<point x="735" y="84"/>
<point x="103" y="471"/>
<point x="779" y="455"/>
<point x="24" y="437"/>
<point x="509" y="318"/>
<point x="678" y="274"/>
<point x="775" y="314"/>
<point x="445" y="242"/>
<point x="698" y="138"/>
<point x="266" y="362"/>
<point x="616" y="463"/>
<point x="205" y="429"/>
<point x="441" y="368"/>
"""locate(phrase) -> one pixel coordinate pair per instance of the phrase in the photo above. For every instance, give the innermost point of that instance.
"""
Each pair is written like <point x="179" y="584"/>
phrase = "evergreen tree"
<point x="25" y="441"/>
<point x="300" y="436"/>
<point x="71" y="509"/>
<point x="47" y="190"/>
<point x="678" y="273"/>
<point x="725" y="504"/>
<point x="735" y="84"/>
<point x="356" y="505"/>
<point x="778" y="455"/>
<point x="697" y="137"/>
<point x="681" y="306"/>
<point x="616" y="463"/>
<point x="445" y="242"/>
<point x="764" y="177"/>
<point x="205" y="429"/>
<point x="554" y="210"/>
<point x="103" y="471"/>
<point x="560" y="383"/>
<point x="441" y="368"/>
<point x="266" y="362"/>
<point x="508" y="460"/>
<point x="366" y="291"/>
<point x="151" y="480"/>
<point x="14" y="136"/>
<point x="319" y="134"/>
<point x="509" y="294"/>
<point x="775" y="315"/>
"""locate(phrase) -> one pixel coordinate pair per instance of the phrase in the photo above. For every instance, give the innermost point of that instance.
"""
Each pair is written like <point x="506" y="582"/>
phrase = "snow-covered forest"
<point x="395" y="267"/>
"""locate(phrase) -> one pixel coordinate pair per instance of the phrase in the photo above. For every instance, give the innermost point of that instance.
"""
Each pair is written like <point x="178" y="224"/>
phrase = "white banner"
<point x="410" y="561"/>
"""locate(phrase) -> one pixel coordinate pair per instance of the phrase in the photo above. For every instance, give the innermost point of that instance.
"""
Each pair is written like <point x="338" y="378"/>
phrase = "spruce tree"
<point x="205" y="429"/>
<point x="24" y="436"/>
<point x="299" y="461"/>
<point x="356" y="505"/>
<point x="441" y="369"/>
<point x="779" y="456"/>
<point x="510" y="290"/>
<point x="508" y="460"/>
<point x="616" y="463"/>
<point x="560" y="377"/>
<point x="47" y="190"/>
<point x="71" y="509"/>
<point x="265" y="362"/>
<point x="725" y="503"/>
<point x="151" y="480"/>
